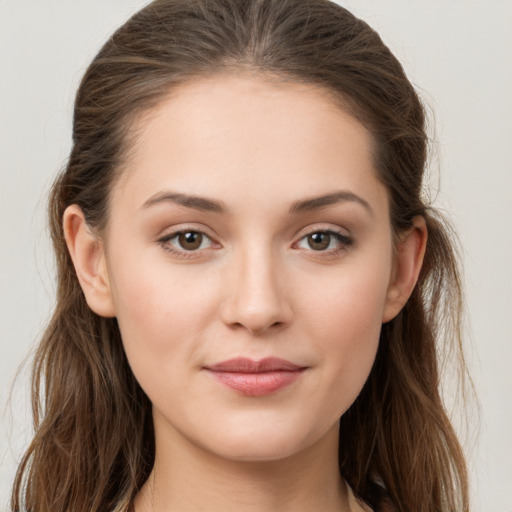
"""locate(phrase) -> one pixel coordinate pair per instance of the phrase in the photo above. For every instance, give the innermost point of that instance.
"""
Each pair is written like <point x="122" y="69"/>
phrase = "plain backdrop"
<point x="459" y="55"/>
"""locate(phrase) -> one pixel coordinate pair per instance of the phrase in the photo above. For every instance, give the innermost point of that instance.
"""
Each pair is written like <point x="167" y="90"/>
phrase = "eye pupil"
<point x="319" y="241"/>
<point x="190" y="240"/>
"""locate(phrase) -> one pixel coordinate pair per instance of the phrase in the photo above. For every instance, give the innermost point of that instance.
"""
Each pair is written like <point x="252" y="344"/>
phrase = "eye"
<point x="186" y="241"/>
<point x="324" y="241"/>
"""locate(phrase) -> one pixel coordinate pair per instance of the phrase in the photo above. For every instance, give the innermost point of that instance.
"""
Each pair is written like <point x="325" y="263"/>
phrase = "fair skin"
<point x="268" y="270"/>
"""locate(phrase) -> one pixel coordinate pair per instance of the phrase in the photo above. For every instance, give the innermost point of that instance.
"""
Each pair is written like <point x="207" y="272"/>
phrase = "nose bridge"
<point x="257" y="298"/>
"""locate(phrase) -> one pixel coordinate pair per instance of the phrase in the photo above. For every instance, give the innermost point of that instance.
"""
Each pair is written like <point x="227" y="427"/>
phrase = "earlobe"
<point x="408" y="262"/>
<point x="88" y="257"/>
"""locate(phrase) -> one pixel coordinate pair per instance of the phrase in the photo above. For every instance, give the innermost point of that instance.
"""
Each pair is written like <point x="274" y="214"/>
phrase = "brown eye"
<point x="319" y="241"/>
<point x="187" y="243"/>
<point x="190" y="240"/>
<point x="326" y="242"/>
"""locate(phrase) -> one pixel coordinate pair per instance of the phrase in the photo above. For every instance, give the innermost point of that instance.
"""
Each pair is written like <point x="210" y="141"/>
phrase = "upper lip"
<point x="246" y="365"/>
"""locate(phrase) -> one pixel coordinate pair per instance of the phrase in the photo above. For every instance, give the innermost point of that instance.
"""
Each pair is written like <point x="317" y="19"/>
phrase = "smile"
<point x="256" y="378"/>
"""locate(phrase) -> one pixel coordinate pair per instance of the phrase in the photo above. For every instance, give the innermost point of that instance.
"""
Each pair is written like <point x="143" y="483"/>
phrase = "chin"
<point x="261" y="453"/>
<point x="261" y="442"/>
<point x="259" y="450"/>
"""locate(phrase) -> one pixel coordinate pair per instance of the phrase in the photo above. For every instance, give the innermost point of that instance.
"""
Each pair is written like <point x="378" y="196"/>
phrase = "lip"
<point x="256" y="378"/>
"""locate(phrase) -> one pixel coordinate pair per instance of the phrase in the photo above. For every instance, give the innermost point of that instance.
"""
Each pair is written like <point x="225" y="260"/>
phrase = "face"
<point x="249" y="260"/>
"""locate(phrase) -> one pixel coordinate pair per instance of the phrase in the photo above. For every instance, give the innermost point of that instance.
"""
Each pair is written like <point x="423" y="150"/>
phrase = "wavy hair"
<point x="94" y="442"/>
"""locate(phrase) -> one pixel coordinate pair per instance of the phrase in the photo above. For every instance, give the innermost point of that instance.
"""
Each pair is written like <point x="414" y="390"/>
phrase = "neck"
<point x="187" y="478"/>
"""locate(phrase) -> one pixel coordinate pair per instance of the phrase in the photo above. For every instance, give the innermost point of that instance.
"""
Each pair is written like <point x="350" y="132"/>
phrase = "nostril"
<point x="255" y="327"/>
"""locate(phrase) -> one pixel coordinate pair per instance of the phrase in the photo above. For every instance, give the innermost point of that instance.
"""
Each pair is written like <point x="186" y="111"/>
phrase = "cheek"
<point x="350" y="304"/>
<point x="345" y="320"/>
<point x="160" y="312"/>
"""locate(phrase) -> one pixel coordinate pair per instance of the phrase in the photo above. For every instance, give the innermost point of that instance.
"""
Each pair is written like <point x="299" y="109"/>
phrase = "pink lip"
<point x="256" y="378"/>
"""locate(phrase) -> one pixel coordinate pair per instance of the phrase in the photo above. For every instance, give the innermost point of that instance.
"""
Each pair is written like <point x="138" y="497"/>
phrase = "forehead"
<point x="249" y="140"/>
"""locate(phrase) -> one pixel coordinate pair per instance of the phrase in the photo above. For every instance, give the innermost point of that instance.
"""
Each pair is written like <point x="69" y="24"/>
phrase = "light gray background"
<point x="459" y="54"/>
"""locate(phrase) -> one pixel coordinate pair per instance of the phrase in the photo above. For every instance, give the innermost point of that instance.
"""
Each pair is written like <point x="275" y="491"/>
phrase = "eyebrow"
<point x="211" y="205"/>
<point x="195" y="202"/>
<point x="317" y="203"/>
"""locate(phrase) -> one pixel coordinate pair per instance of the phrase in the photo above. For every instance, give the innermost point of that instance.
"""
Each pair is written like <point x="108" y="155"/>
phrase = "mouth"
<point x="256" y="378"/>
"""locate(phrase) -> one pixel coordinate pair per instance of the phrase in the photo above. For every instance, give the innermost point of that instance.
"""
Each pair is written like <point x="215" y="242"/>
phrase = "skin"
<point x="255" y="287"/>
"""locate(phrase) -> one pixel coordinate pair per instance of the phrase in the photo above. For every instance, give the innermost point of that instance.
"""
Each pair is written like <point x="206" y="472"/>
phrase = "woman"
<point x="251" y="287"/>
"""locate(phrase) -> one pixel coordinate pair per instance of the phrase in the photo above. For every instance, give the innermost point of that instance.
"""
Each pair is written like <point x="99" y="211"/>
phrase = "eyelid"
<point x="345" y="240"/>
<point x="170" y="233"/>
<point x="176" y="229"/>
<point x="324" y="228"/>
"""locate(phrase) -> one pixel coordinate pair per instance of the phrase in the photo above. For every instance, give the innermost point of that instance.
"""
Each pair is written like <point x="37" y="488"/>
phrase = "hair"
<point x="93" y="447"/>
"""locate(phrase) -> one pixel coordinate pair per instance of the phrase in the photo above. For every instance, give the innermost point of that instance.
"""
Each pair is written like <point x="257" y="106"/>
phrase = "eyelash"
<point x="183" y="253"/>
<point x="344" y="241"/>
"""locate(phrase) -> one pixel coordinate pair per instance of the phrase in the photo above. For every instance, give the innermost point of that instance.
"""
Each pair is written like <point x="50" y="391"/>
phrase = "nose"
<point x="255" y="297"/>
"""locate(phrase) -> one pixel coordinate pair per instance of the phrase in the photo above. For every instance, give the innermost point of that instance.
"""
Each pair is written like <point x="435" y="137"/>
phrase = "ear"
<point x="88" y="256"/>
<point x="408" y="261"/>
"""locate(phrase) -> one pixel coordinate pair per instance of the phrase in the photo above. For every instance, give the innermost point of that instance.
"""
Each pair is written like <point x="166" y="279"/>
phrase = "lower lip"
<point x="257" y="384"/>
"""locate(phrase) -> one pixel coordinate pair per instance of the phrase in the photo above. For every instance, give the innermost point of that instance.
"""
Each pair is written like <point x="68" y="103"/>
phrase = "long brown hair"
<point x="94" y="443"/>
